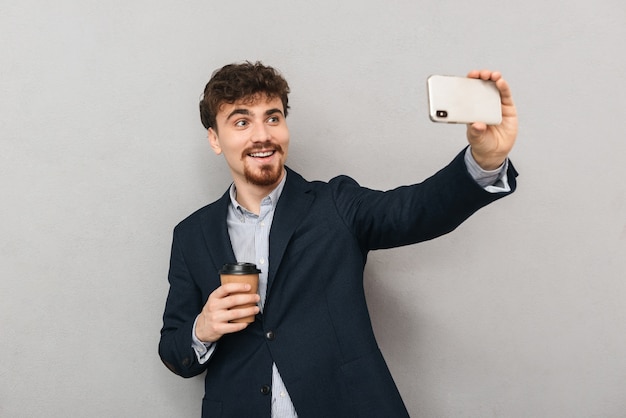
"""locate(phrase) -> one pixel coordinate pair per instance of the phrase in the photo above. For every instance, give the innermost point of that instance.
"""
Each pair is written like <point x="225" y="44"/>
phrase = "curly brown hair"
<point x="244" y="81"/>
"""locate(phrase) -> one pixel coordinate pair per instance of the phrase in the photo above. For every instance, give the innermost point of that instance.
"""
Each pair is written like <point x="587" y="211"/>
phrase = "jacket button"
<point x="186" y="361"/>
<point x="265" y="390"/>
<point x="270" y="335"/>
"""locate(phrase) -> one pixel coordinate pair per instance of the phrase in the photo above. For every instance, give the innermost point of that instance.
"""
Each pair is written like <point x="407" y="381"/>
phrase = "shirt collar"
<point x="271" y="198"/>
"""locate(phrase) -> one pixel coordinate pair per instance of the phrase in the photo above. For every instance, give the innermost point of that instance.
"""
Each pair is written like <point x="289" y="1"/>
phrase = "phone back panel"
<point x="463" y="100"/>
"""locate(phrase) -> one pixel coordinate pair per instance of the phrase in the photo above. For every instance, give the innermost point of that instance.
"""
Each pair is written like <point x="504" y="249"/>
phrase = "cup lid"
<point x="239" y="268"/>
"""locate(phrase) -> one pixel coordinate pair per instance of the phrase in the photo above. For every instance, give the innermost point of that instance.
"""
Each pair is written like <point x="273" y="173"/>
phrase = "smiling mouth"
<point x="262" y="151"/>
<point x="262" y="154"/>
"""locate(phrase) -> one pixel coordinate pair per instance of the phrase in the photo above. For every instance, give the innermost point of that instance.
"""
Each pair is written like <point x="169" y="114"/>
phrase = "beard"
<point x="267" y="174"/>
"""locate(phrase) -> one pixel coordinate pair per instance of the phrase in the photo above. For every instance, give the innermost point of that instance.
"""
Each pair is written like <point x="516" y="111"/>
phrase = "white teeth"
<point x="261" y="154"/>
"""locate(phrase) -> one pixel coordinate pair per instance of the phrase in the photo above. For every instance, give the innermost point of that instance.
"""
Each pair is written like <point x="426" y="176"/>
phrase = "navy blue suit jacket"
<point x="315" y="325"/>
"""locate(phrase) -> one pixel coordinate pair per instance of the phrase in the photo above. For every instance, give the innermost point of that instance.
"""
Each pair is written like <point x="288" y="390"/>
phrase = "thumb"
<point x="475" y="131"/>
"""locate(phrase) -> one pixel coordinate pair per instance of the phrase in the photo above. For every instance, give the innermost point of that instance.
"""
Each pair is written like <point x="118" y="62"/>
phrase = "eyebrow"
<point x="246" y="112"/>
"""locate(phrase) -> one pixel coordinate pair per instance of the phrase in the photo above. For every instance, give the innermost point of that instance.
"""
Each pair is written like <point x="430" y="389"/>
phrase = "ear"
<point x="214" y="141"/>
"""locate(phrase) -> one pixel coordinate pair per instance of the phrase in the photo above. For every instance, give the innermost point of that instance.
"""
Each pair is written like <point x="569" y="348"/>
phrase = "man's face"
<point x="254" y="138"/>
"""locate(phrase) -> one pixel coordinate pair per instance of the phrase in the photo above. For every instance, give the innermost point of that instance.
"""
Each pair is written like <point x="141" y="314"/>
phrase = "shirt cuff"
<point x="493" y="181"/>
<point x="203" y="350"/>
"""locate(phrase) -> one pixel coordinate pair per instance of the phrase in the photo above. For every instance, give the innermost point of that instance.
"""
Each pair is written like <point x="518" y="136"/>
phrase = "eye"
<point x="273" y="119"/>
<point x="241" y="123"/>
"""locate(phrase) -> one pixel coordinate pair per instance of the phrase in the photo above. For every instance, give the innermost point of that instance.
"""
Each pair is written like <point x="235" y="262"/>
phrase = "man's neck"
<point x="250" y="196"/>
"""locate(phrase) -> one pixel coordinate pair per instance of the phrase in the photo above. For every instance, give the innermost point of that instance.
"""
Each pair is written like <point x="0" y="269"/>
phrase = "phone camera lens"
<point x="442" y="114"/>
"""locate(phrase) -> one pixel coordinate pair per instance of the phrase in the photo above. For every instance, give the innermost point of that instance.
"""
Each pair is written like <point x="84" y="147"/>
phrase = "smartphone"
<point x="454" y="99"/>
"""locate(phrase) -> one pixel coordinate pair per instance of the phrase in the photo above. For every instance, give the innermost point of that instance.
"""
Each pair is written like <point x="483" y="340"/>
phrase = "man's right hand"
<point x="221" y="308"/>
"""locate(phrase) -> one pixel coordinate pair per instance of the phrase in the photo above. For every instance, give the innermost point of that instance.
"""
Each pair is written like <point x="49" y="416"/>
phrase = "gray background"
<point x="518" y="313"/>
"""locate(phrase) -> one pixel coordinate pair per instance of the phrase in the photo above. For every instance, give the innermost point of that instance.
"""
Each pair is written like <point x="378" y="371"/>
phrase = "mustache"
<point x="264" y="146"/>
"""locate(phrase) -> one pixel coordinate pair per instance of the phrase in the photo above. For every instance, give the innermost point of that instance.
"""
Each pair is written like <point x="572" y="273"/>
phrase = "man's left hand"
<point x="491" y="144"/>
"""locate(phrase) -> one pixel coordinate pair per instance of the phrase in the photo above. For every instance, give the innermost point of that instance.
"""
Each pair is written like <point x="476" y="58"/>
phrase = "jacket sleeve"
<point x="184" y="303"/>
<point x="415" y="213"/>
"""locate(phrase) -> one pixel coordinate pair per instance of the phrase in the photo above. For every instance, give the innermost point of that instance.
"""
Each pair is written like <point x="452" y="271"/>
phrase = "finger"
<point x="229" y="295"/>
<point x="485" y="75"/>
<point x="226" y="315"/>
<point x="475" y="131"/>
<point x="506" y="96"/>
<point x="238" y="313"/>
<point x="239" y="299"/>
<point x="482" y="74"/>
<point x="216" y="305"/>
<point x="501" y="84"/>
<point x="230" y="327"/>
<point x="230" y="288"/>
<point x="489" y="75"/>
<point x="215" y="322"/>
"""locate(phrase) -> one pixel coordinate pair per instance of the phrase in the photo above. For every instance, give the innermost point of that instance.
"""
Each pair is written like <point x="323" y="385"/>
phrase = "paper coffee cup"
<point x="242" y="273"/>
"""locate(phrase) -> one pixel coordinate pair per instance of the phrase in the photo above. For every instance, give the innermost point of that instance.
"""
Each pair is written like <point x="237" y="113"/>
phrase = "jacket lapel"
<point x="215" y="232"/>
<point x="291" y="209"/>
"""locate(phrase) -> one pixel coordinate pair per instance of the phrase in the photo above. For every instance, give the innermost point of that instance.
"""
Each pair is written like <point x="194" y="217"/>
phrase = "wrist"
<point x="198" y="333"/>
<point x="488" y="163"/>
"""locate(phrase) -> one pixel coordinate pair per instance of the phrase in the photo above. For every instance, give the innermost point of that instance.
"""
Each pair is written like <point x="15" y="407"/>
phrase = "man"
<point x="311" y="351"/>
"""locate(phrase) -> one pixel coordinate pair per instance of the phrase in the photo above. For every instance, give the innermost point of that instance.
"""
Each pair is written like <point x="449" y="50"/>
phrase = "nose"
<point x="260" y="133"/>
